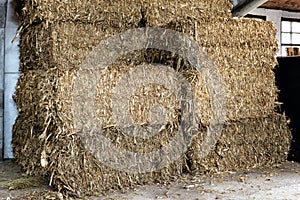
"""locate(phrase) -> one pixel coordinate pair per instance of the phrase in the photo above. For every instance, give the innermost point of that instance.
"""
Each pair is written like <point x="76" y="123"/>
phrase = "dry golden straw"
<point x="58" y="36"/>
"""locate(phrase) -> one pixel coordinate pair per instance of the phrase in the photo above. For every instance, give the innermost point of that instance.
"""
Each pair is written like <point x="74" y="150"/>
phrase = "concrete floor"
<point x="282" y="182"/>
<point x="11" y="173"/>
<point x="279" y="183"/>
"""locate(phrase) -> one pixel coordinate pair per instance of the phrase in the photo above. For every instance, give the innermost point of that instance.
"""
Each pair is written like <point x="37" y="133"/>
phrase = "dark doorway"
<point x="288" y="82"/>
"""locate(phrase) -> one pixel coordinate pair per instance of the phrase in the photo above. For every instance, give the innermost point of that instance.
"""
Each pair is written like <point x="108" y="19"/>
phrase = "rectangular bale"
<point x="249" y="86"/>
<point x="248" y="79"/>
<point x="244" y="144"/>
<point x="232" y="41"/>
<point x="47" y="140"/>
<point x="249" y="93"/>
<point x="155" y="12"/>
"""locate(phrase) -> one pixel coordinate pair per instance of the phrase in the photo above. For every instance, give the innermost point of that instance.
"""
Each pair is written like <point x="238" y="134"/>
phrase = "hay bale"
<point x="244" y="66"/>
<point x="42" y="45"/>
<point x="45" y="132"/>
<point x="45" y="129"/>
<point x="143" y="99"/>
<point x="228" y="32"/>
<point x="73" y="170"/>
<point x="244" y="144"/>
<point x="45" y="136"/>
<point x="54" y="88"/>
<point x="126" y="12"/>
<point x="250" y="93"/>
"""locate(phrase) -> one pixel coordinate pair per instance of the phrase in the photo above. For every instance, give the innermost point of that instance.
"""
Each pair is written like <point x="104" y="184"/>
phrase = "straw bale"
<point x="243" y="51"/>
<point x="73" y="170"/>
<point x="244" y="144"/>
<point x="54" y="87"/>
<point x="228" y="32"/>
<point x="43" y="45"/>
<point x="249" y="83"/>
<point x="59" y="36"/>
<point x="248" y="77"/>
<point x="46" y="121"/>
<point x="143" y="99"/>
<point x="250" y="93"/>
<point x="46" y="141"/>
<point x="154" y="12"/>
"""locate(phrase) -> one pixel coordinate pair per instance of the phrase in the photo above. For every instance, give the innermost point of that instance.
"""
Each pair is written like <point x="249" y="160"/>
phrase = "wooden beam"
<point x="246" y="6"/>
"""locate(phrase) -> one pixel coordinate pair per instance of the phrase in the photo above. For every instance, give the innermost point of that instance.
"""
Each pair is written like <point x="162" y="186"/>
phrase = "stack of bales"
<point x="59" y="35"/>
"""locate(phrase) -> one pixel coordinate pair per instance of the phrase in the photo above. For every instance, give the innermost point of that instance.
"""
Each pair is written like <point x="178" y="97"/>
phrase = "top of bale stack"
<point x="122" y="13"/>
<point x="43" y="45"/>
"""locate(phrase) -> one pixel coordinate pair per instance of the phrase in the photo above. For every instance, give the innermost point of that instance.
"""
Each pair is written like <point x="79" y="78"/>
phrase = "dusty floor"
<point x="14" y="183"/>
<point x="282" y="182"/>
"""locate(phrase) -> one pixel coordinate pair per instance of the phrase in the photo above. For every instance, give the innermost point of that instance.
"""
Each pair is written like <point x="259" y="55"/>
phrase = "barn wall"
<point x="275" y="16"/>
<point x="9" y="73"/>
<point x="2" y="31"/>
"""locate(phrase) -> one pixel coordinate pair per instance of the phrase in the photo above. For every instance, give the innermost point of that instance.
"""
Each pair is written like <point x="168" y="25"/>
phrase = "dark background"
<point x="288" y="82"/>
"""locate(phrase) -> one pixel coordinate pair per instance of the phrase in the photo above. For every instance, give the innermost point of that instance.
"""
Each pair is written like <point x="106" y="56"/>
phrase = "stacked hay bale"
<point x="122" y="13"/>
<point x="244" y="144"/>
<point x="58" y="36"/>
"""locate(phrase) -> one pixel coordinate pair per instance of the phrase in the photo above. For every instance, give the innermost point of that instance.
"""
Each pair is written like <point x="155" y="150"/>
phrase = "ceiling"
<point x="289" y="5"/>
